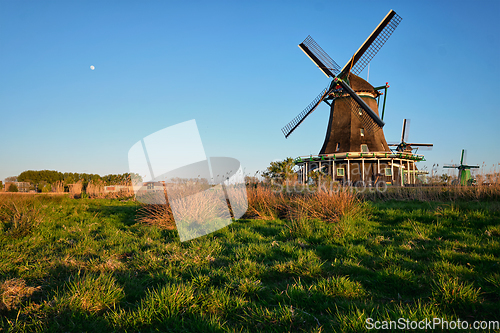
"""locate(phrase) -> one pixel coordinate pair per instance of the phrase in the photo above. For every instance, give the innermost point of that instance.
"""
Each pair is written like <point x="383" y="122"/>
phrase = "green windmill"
<point x="464" y="176"/>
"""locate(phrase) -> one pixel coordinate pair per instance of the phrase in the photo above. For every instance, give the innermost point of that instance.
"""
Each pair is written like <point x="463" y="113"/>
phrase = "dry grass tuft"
<point x="95" y="189"/>
<point x="19" y="214"/>
<point x="157" y="215"/>
<point x="76" y="189"/>
<point x="14" y="292"/>
<point x="489" y="192"/>
<point x="328" y="206"/>
<point x="265" y="203"/>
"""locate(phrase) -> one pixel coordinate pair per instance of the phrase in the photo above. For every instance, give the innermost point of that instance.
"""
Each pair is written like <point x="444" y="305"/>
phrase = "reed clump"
<point x="266" y="203"/>
<point x="76" y="189"/>
<point x="96" y="190"/>
<point x="482" y="192"/>
<point x="19" y="214"/>
<point x="156" y="215"/>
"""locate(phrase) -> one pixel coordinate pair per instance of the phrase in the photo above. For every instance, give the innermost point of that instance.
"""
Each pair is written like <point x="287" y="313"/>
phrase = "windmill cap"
<point x="358" y="84"/>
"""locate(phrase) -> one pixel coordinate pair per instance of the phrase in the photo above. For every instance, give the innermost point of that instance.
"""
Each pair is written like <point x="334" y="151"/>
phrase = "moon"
<point x="92" y="67"/>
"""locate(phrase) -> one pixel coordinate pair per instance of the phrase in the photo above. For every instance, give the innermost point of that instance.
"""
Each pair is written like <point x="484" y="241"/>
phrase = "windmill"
<point x="404" y="145"/>
<point x="354" y="119"/>
<point x="464" y="176"/>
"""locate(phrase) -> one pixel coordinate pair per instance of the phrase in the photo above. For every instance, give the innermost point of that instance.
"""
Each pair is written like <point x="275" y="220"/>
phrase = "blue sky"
<point x="234" y="67"/>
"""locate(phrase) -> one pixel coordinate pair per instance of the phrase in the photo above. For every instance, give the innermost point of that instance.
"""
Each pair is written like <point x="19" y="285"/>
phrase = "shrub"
<point x="13" y="188"/>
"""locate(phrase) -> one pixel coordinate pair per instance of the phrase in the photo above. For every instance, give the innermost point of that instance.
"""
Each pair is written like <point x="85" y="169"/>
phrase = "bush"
<point x="13" y="188"/>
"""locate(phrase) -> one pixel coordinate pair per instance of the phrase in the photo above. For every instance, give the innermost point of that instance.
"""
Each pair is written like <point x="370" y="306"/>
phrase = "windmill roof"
<point x="358" y="84"/>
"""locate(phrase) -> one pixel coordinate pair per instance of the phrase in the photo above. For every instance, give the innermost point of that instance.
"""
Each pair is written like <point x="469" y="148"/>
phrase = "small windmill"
<point x="354" y="119"/>
<point x="404" y="145"/>
<point x="464" y="175"/>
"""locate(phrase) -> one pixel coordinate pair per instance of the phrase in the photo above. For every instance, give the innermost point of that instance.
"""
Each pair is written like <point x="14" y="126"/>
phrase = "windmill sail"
<point x="372" y="44"/>
<point x="326" y="64"/>
<point x="292" y="125"/>
<point x="406" y="130"/>
<point x="404" y="145"/>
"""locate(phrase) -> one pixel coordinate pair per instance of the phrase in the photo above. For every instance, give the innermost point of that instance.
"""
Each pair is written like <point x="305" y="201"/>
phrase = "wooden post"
<point x="408" y="172"/>
<point x="348" y="171"/>
<point x="392" y="171"/>
<point x="402" y="173"/>
<point x="363" y="166"/>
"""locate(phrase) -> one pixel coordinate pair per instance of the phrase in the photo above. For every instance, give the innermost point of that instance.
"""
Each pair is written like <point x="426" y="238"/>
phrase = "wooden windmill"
<point x="355" y="151"/>
<point x="354" y="124"/>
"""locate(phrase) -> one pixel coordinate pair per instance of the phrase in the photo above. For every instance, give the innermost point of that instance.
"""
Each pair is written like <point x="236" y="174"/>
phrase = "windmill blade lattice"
<point x="292" y="125"/>
<point x="319" y="57"/>
<point x="372" y="44"/>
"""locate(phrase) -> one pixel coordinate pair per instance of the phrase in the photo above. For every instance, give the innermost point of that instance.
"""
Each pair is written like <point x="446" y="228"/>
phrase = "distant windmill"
<point x="404" y="145"/>
<point x="464" y="176"/>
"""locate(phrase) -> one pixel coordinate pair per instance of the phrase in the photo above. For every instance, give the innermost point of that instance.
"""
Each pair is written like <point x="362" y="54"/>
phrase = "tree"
<point x="13" y="188"/>
<point x="47" y="188"/>
<point x="11" y="179"/>
<point x="1" y="185"/>
<point x="280" y="171"/>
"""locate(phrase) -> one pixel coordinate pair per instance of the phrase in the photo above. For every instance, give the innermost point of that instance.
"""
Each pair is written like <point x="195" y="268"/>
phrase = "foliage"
<point x="40" y="178"/>
<point x="1" y="185"/>
<point x="46" y="188"/>
<point x="280" y="171"/>
<point x="11" y="179"/>
<point x="13" y="188"/>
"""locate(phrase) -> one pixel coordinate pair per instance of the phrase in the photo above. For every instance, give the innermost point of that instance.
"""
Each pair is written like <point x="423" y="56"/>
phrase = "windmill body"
<point x="464" y="174"/>
<point x="346" y="132"/>
<point x="355" y="149"/>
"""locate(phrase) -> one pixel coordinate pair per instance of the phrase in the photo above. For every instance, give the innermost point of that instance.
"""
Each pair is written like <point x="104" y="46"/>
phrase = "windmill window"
<point x="340" y="172"/>
<point x="388" y="172"/>
<point x="362" y="131"/>
<point x="364" y="149"/>
<point x="337" y="146"/>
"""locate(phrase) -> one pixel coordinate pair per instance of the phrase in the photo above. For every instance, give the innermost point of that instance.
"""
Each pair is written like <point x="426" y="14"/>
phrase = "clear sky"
<point x="235" y="67"/>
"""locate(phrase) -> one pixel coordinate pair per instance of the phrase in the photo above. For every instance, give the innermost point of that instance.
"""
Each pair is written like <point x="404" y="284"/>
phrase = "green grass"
<point x="86" y="265"/>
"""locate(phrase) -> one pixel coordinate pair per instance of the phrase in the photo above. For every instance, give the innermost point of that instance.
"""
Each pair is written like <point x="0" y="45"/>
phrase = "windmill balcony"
<point x="366" y="169"/>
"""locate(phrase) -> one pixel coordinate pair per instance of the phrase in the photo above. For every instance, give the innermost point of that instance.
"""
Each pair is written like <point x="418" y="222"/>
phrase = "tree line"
<point x="48" y="177"/>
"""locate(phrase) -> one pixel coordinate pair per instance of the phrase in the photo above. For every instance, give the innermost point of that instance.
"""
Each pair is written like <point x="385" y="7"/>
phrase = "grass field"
<point x="87" y="265"/>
